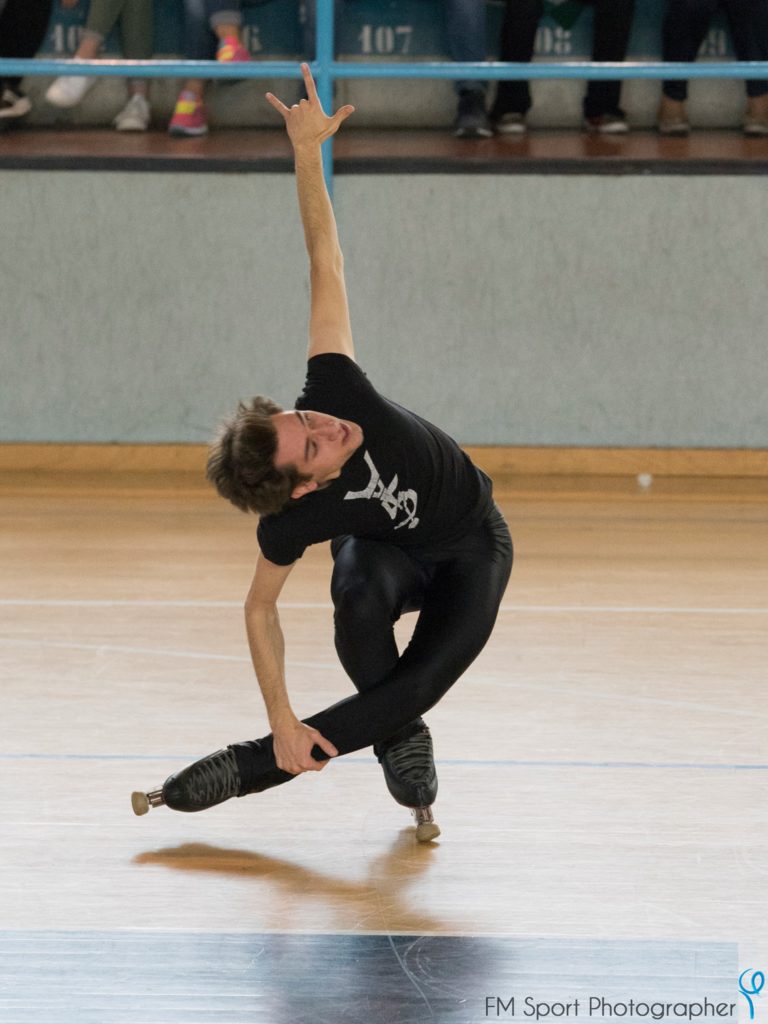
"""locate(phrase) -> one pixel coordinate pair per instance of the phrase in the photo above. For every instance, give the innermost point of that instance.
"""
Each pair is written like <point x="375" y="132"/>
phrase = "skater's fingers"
<point x="293" y="767"/>
<point x="325" y="744"/>
<point x="341" y="115"/>
<point x="279" y="106"/>
<point x="309" y="83"/>
<point x="299" y="748"/>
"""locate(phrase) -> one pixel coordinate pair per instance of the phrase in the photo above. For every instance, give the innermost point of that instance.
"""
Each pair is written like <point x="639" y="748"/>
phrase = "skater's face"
<point x="318" y="445"/>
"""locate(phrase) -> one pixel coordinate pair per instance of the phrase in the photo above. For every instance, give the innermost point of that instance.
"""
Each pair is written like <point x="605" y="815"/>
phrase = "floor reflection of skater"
<point x="413" y="527"/>
<point x="343" y="897"/>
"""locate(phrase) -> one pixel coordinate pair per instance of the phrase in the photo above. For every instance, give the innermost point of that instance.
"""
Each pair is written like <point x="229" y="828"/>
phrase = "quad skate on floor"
<point x="408" y="764"/>
<point x="409" y="771"/>
<point x="207" y="782"/>
<point x="427" y="828"/>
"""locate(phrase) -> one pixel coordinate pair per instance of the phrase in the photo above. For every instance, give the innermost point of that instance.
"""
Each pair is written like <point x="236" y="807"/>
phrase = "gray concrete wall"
<point x="511" y="309"/>
<point x="400" y="103"/>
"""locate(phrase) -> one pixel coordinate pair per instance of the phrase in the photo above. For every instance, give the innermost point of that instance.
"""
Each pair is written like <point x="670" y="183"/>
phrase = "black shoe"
<point x="207" y="782"/>
<point x="409" y="768"/>
<point x="471" y="119"/>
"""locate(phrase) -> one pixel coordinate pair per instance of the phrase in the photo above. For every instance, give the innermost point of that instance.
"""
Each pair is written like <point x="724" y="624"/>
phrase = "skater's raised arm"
<point x="308" y="127"/>
<point x="293" y="740"/>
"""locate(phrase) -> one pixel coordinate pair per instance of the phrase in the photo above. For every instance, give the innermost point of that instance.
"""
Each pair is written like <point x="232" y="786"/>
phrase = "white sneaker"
<point x="134" y="117"/>
<point x="510" y="123"/>
<point x="69" y="90"/>
<point x="14" y="104"/>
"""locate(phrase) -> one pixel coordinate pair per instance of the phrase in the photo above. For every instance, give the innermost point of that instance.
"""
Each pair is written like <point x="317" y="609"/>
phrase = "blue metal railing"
<point x="326" y="70"/>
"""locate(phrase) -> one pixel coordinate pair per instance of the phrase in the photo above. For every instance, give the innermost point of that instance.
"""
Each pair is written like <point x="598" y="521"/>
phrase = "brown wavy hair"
<point x="241" y="460"/>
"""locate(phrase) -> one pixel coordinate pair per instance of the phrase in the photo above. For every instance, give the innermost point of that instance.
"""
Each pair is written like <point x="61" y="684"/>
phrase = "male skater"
<point x="413" y="527"/>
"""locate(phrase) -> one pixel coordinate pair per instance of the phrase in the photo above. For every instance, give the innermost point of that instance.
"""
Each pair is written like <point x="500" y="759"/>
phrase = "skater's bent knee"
<point x="362" y="601"/>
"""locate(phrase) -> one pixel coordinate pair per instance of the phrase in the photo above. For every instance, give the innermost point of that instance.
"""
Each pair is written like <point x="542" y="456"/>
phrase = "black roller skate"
<point x="207" y="782"/>
<point x="409" y="771"/>
<point x="240" y="769"/>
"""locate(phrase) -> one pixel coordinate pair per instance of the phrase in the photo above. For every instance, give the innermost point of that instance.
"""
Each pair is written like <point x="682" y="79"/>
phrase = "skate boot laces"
<point x="409" y="769"/>
<point x="411" y="759"/>
<point x="212" y="780"/>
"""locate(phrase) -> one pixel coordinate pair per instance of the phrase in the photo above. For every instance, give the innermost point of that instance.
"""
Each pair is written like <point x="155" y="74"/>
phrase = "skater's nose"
<point x="328" y="428"/>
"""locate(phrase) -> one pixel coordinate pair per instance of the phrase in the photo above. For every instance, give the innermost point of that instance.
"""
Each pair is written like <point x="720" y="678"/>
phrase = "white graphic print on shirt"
<point x="405" y="501"/>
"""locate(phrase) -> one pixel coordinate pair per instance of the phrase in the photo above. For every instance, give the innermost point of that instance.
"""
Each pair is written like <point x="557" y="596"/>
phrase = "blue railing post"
<point x="324" y="76"/>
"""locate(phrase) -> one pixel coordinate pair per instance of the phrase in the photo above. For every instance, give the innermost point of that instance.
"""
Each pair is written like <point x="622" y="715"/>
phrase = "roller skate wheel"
<point x="140" y="803"/>
<point x="427" y="831"/>
<point x="427" y="828"/>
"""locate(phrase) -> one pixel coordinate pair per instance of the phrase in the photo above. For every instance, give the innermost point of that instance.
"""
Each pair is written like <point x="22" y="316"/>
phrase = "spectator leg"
<point x="136" y="36"/>
<point x="103" y="15"/>
<point x="199" y="40"/>
<point x="748" y="21"/>
<point x="518" y="36"/>
<point x="686" y="23"/>
<point x="612" y="26"/>
<point x="466" y="37"/>
<point x="224" y="17"/>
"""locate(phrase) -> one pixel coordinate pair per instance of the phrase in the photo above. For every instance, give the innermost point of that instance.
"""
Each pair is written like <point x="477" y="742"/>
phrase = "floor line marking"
<point x="166" y="652"/>
<point x="452" y="762"/>
<point x="85" y="934"/>
<point x="328" y="606"/>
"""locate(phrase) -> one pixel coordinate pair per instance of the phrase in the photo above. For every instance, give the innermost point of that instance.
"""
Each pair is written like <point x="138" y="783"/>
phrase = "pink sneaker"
<point x="231" y="50"/>
<point x="189" y="116"/>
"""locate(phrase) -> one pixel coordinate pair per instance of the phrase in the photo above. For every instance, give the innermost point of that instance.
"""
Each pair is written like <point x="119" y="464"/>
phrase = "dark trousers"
<point x="686" y="23"/>
<point x="612" y="26"/>
<point x="200" y="42"/>
<point x="457" y="592"/>
<point x="23" y="24"/>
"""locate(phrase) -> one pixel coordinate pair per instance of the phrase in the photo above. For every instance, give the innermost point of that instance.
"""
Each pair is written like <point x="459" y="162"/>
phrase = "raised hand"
<point x="306" y="122"/>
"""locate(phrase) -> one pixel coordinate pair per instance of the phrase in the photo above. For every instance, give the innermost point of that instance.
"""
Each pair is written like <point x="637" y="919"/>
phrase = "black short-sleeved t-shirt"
<point x="408" y="483"/>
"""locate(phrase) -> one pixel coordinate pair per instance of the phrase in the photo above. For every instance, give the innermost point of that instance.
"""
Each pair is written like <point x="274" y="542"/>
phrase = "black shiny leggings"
<point x="457" y="592"/>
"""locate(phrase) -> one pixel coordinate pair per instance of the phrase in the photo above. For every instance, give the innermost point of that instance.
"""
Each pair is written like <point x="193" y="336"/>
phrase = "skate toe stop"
<point x="427" y="828"/>
<point x="427" y="831"/>
<point x="140" y="803"/>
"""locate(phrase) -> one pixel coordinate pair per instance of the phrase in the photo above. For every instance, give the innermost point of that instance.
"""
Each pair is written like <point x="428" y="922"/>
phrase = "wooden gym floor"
<point x="603" y="772"/>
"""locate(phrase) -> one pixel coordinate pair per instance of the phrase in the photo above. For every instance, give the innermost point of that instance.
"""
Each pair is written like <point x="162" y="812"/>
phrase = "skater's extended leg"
<point x="234" y="771"/>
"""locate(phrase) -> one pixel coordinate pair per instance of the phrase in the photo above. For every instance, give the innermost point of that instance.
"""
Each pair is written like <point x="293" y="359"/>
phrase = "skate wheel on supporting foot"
<point x="427" y="828"/>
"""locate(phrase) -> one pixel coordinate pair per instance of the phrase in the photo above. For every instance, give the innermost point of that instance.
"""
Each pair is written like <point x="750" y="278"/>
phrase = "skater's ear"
<point x="304" y="488"/>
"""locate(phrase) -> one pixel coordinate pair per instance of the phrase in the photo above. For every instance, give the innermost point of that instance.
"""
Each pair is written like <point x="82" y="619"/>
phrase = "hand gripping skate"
<point x="409" y="771"/>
